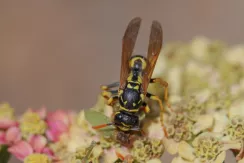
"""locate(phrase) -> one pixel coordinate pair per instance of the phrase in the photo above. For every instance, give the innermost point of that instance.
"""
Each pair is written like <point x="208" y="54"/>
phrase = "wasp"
<point x="135" y="76"/>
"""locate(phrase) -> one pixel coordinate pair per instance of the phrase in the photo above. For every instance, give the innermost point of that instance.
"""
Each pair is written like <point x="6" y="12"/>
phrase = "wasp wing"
<point x="128" y="44"/>
<point x="154" y="48"/>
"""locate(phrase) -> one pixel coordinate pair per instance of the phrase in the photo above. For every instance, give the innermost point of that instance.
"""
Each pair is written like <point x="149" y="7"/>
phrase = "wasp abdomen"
<point x="123" y="118"/>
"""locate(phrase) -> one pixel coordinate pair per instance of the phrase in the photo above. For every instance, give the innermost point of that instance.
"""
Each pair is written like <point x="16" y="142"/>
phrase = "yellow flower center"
<point x="235" y="128"/>
<point x="208" y="148"/>
<point x="32" y="124"/>
<point x="146" y="149"/>
<point x="6" y="111"/>
<point x="37" y="158"/>
<point x="179" y="127"/>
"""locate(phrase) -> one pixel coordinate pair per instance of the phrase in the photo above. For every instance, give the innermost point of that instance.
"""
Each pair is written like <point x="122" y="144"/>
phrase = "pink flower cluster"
<point x="58" y="122"/>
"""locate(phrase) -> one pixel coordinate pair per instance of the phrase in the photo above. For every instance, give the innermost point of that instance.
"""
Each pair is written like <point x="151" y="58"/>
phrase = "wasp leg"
<point x="102" y="126"/>
<point x="165" y="85"/>
<point x="109" y="86"/>
<point x="145" y="107"/>
<point x="108" y="93"/>
<point x="112" y="100"/>
<point x="138" y="129"/>
<point x="110" y="96"/>
<point x="156" y="98"/>
<point x="120" y="156"/>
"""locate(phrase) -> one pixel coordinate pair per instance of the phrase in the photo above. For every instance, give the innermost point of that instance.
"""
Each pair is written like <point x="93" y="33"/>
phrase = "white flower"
<point x="204" y="122"/>
<point x="154" y="161"/>
<point x="237" y="108"/>
<point x="199" y="47"/>
<point x="207" y="147"/>
<point x="235" y="55"/>
<point x="154" y="129"/>
<point x="174" y="79"/>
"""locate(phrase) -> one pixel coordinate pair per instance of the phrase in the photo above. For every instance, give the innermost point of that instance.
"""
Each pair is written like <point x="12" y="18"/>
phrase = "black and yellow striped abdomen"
<point x="125" y="121"/>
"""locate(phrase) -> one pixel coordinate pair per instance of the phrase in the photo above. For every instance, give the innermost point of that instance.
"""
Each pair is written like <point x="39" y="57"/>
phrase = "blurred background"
<point x="58" y="53"/>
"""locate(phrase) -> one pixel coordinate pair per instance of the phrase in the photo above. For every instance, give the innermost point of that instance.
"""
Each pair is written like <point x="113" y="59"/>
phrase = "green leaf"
<point x="97" y="118"/>
<point x="4" y="154"/>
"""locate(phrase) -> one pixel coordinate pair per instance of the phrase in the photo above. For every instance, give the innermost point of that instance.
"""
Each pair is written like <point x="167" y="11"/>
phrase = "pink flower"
<point x="2" y="137"/>
<point x="10" y="136"/>
<point x="13" y="135"/>
<point x="41" y="112"/>
<point x="38" y="143"/>
<point x="50" y="153"/>
<point x="35" y="144"/>
<point x="58" y="123"/>
<point x="21" y="149"/>
<point x="59" y="115"/>
<point x="5" y="123"/>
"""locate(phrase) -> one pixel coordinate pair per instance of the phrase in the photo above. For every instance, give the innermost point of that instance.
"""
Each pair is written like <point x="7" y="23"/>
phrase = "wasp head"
<point x="138" y="63"/>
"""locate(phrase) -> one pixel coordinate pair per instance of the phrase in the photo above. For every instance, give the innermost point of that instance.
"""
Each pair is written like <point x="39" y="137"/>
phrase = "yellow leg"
<point x="109" y="86"/>
<point x="111" y="100"/>
<point x="156" y="98"/>
<point x="165" y="85"/>
<point x="110" y="95"/>
<point x="106" y="94"/>
<point x="146" y="108"/>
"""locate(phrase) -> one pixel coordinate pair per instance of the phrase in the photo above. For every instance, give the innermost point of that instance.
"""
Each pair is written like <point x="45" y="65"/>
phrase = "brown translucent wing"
<point x="128" y="44"/>
<point x="155" y="45"/>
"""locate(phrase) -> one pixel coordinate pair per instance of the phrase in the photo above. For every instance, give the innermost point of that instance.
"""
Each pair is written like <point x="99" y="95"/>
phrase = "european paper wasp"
<point x="135" y="76"/>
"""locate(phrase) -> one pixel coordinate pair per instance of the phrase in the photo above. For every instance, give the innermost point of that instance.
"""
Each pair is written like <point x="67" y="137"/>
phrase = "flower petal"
<point x="180" y="160"/>
<point x="204" y="122"/>
<point x="186" y="151"/>
<point x="235" y="145"/>
<point x="236" y="109"/>
<point x="170" y="145"/>
<point x="48" y="151"/>
<point x="109" y="155"/>
<point x="50" y="135"/>
<point x="38" y="143"/>
<point x="58" y="115"/>
<point x="154" y="129"/>
<point x="220" y="122"/>
<point x="58" y="126"/>
<point x="21" y="149"/>
<point x="42" y="112"/>
<point x="97" y="151"/>
<point x="2" y="137"/>
<point x="6" y="123"/>
<point x="175" y="79"/>
<point x="13" y="135"/>
<point x="221" y="157"/>
<point x="56" y="129"/>
<point x="154" y="161"/>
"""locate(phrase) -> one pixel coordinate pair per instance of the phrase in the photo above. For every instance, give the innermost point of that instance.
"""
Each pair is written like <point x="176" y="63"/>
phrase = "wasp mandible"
<point x="135" y="76"/>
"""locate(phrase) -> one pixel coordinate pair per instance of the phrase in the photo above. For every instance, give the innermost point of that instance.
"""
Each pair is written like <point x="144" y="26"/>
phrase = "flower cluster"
<point x="144" y="150"/>
<point x="206" y="118"/>
<point x="29" y="138"/>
